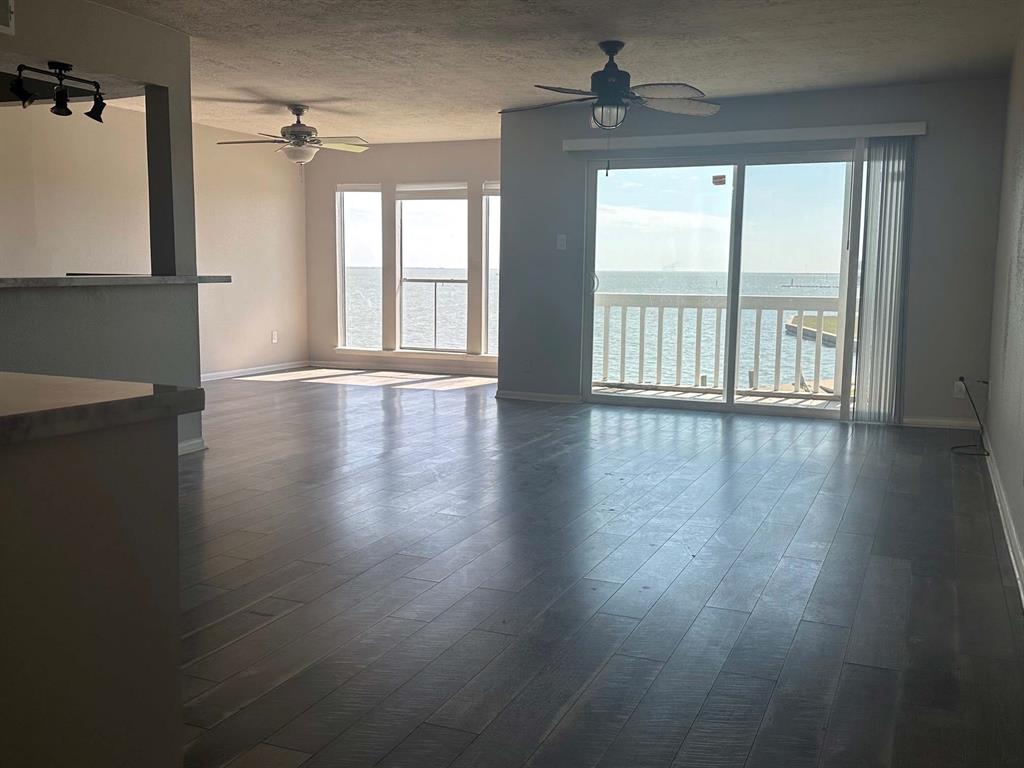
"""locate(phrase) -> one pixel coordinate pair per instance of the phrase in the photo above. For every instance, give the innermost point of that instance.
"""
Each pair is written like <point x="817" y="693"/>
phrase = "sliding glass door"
<point x="791" y="280"/>
<point x="661" y="278"/>
<point x="725" y="284"/>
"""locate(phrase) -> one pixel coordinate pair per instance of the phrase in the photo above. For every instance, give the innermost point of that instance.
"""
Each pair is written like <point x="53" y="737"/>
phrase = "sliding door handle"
<point x="595" y="282"/>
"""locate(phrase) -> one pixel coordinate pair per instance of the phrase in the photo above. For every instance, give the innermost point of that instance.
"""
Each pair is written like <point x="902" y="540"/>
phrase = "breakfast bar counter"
<point x="89" y="568"/>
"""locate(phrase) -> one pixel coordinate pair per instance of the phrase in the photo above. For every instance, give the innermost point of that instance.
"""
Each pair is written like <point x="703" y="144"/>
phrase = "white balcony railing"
<point x="676" y="342"/>
<point x="419" y="324"/>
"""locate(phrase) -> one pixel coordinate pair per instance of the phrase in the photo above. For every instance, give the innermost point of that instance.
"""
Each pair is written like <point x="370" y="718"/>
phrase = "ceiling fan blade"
<point x="543" y="106"/>
<point x="668" y="91"/>
<point x="256" y="141"/>
<point x="343" y="139"/>
<point x="269" y="135"/>
<point x="682" y="106"/>
<point x="559" y="89"/>
<point x="344" y="147"/>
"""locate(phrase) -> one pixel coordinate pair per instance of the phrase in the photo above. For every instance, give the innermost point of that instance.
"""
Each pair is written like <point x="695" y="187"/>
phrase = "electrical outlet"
<point x="560" y="243"/>
<point x="273" y="337"/>
<point x="959" y="390"/>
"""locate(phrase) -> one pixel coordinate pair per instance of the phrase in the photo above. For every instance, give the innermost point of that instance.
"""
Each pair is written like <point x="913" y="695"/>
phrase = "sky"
<point x="433" y="232"/>
<point x="661" y="219"/>
<point x="678" y="219"/>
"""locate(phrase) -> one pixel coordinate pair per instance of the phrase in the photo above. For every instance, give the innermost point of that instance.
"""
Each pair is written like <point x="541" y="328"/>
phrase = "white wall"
<point x="250" y="224"/>
<point x="1005" y="413"/>
<point x="469" y="161"/>
<point x="73" y="198"/>
<point x="956" y="193"/>
<point x="73" y="194"/>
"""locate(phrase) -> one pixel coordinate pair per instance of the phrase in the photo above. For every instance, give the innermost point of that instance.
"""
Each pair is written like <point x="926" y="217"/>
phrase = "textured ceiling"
<point x="421" y="70"/>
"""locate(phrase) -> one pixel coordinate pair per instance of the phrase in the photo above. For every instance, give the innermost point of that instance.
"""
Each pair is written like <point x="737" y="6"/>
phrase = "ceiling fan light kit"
<point x="611" y="85"/>
<point x="300" y="142"/>
<point x="612" y="95"/>
<point x="299" y="154"/>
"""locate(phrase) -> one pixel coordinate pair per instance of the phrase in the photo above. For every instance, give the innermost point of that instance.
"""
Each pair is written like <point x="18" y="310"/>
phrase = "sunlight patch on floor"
<point x="306" y="374"/>
<point x="363" y="378"/>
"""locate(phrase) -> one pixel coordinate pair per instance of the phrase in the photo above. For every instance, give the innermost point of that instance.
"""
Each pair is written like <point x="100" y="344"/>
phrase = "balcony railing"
<point x="675" y="342"/>
<point x="416" y="325"/>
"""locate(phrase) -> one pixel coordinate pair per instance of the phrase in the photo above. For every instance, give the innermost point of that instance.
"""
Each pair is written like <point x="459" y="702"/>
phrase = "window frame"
<point x="454" y="191"/>
<point x="491" y="189"/>
<point x="340" y="265"/>
<point x="392" y="196"/>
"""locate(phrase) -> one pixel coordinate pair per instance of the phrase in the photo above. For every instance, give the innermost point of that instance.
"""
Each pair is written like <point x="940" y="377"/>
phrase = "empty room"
<point x="512" y="383"/>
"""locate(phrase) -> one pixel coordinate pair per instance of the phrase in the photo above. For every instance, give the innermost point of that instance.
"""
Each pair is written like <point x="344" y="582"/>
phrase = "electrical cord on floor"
<point x="972" y="449"/>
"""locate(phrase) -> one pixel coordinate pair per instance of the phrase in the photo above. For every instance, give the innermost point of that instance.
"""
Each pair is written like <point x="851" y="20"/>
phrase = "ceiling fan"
<point x="300" y="142"/>
<point x="612" y="95"/>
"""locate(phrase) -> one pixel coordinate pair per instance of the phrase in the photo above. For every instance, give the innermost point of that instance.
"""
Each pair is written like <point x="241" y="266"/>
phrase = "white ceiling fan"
<point x="300" y="142"/>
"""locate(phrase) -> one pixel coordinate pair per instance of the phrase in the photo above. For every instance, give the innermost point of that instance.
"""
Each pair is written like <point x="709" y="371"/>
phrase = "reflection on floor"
<point x="398" y="379"/>
<point x="716" y="397"/>
<point x="397" y="576"/>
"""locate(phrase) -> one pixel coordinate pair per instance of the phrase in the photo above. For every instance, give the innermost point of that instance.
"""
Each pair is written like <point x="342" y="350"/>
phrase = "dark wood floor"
<point x="405" y="576"/>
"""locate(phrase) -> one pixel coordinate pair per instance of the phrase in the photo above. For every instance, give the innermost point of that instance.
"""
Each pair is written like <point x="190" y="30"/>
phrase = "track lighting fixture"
<point x="58" y="70"/>
<point x="23" y="94"/>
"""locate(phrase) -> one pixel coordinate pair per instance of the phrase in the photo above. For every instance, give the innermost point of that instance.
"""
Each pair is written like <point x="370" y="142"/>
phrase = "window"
<point x="492" y="261"/>
<point x="425" y="280"/>
<point x="360" y="263"/>
<point x="434" y="256"/>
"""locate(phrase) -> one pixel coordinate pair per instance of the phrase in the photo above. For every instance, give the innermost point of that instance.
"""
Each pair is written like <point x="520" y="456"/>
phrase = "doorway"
<point x="725" y="284"/>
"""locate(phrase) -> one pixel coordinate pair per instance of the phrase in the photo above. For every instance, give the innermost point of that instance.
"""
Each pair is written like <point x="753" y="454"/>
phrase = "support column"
<point x="172" y="226"/>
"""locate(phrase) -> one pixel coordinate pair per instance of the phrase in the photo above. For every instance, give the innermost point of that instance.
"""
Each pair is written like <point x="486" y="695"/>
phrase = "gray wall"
<point x="1005" y="417"/>
<point x="956" y="197"/>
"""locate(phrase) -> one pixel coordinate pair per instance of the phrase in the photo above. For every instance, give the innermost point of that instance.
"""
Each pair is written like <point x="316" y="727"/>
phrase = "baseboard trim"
<point x="194" y="445"/>
<point x="942" y="423"/>
<point x="438" y="363"/>
<point x="537" y="397"/>
<point x="216" y="375"/>
<point x="1009" y="530"/>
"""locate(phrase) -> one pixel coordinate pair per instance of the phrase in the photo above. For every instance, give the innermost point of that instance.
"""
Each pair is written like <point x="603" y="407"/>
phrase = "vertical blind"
<point x="882" y="323"/>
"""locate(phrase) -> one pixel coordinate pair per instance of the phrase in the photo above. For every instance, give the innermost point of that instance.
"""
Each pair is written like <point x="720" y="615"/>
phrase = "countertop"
<point x="92" y="281"/>
<point x="34" y="406"/>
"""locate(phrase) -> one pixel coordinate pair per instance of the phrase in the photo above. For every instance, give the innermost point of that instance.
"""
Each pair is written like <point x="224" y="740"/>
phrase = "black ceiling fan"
<point x="613" y="96"/>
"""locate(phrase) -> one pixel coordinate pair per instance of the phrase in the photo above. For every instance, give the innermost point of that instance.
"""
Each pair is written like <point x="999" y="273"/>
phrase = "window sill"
<point x="415" y="361"/>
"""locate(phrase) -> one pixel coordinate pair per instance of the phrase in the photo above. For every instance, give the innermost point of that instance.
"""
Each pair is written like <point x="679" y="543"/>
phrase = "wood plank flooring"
<point x="403" y="571"/>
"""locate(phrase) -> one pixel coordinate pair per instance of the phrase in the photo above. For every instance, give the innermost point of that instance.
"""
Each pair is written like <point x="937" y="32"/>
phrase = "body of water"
<point x="363" y="310"/>
<point x="709" y="284"/>
<point x="363" y="321"/>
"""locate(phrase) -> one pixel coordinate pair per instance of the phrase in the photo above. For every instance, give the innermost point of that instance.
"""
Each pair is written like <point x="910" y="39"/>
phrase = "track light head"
<point x="98" y="105"/>
<point x="22" y="93"/>
<point x="60" y="101"/>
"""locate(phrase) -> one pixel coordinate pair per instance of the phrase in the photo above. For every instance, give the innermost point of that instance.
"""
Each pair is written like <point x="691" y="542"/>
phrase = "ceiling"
<point x="423" y="70"/>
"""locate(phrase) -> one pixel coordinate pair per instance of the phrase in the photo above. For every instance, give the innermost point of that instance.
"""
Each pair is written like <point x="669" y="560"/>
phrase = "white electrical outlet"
<point x="959" y="390"/>
<point x="273" y="337"/>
